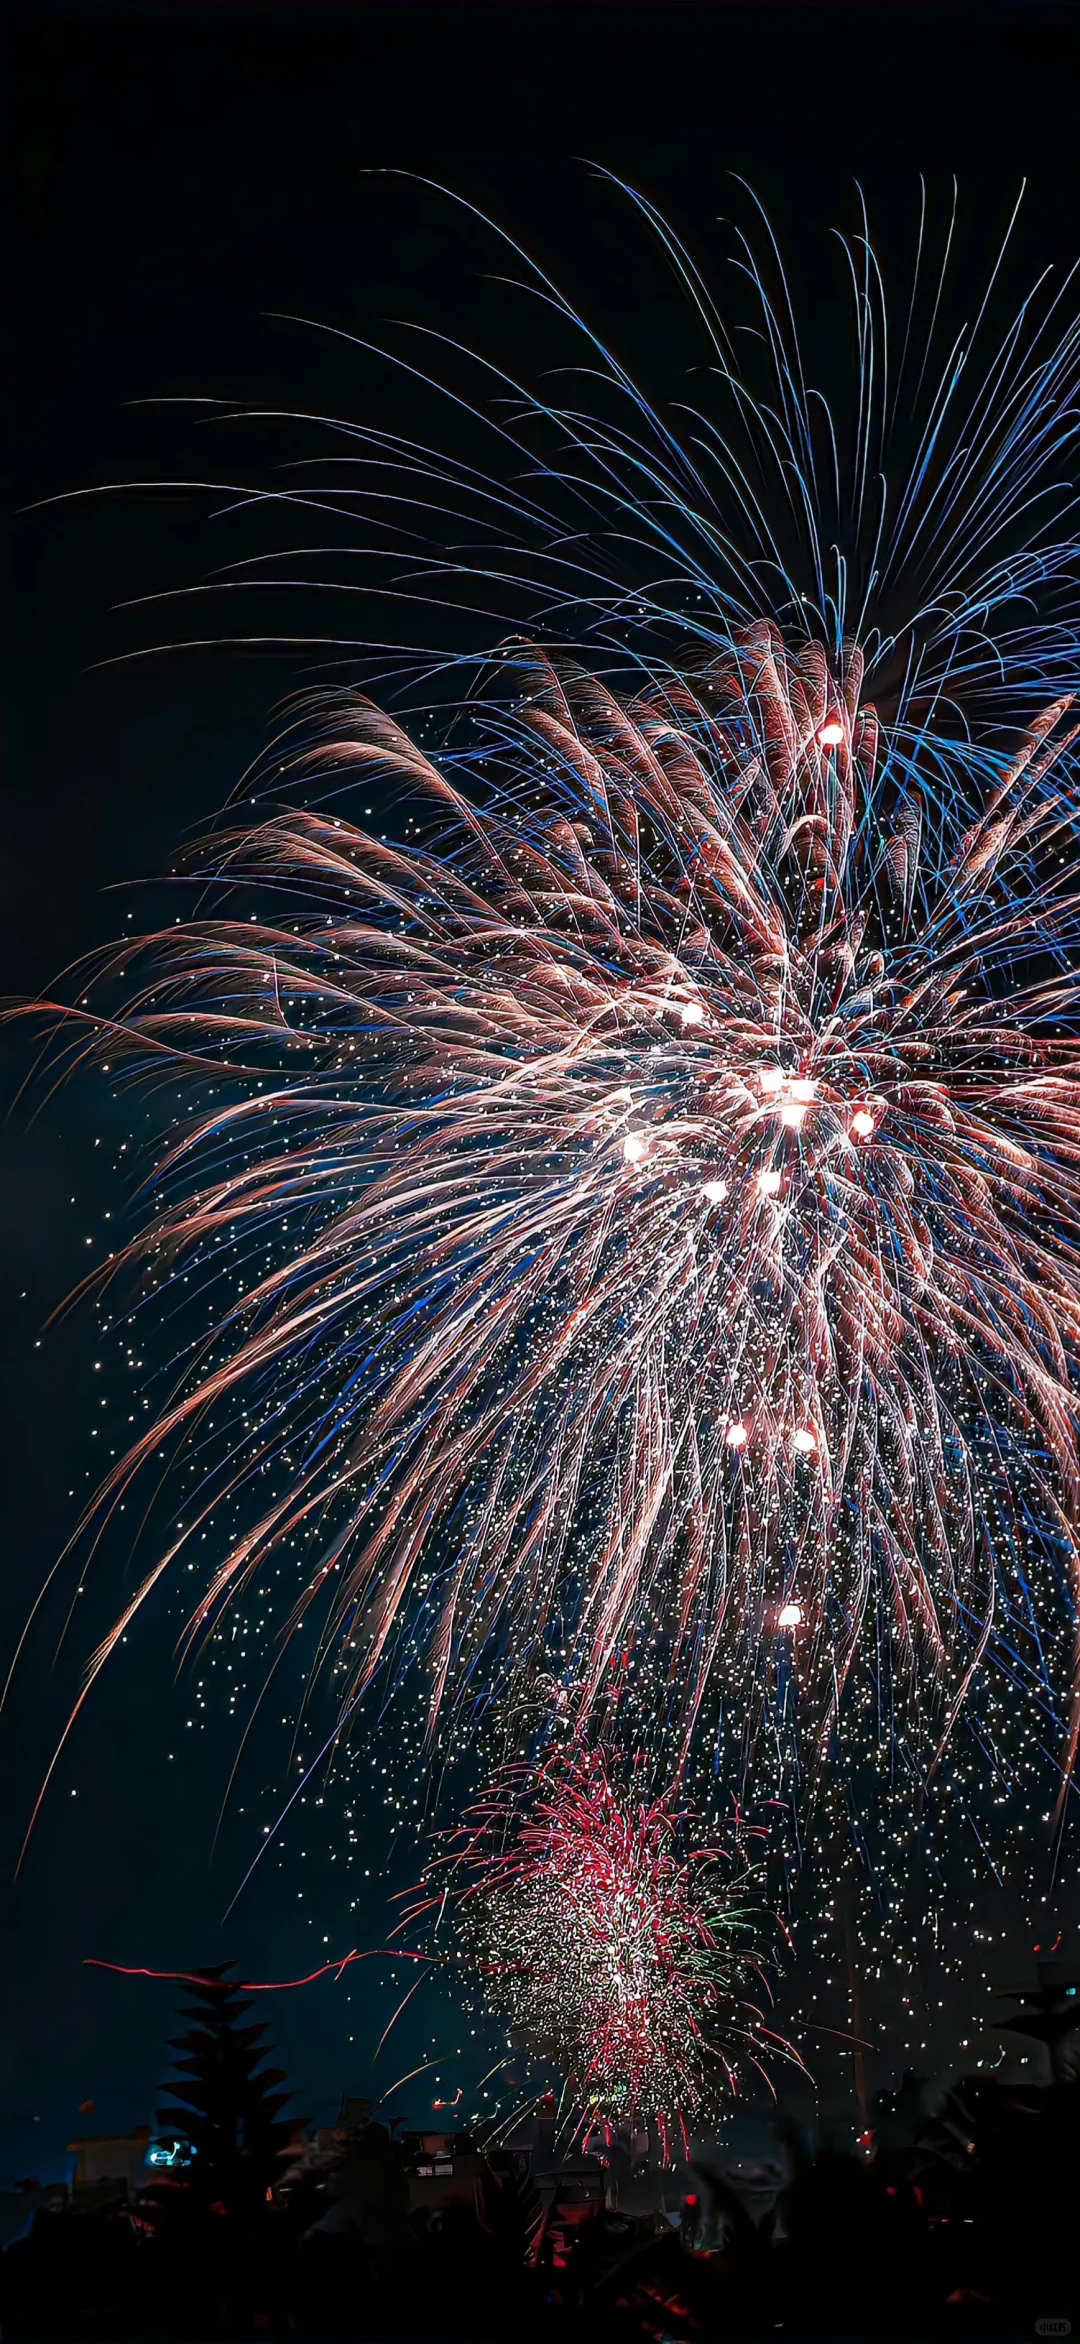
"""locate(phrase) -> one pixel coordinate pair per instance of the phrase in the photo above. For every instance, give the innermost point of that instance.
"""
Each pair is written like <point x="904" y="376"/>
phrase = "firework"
<point x="611" y="1953"/>
<point x="689" y="1210"/>
<point x="652" y="1182"/>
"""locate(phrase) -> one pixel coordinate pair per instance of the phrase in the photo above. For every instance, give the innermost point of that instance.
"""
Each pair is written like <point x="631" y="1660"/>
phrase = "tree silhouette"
<point x="226" y="2101"/>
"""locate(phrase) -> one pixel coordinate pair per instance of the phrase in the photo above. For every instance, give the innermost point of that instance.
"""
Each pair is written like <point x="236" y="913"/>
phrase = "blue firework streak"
<point x="653" y="1182"/>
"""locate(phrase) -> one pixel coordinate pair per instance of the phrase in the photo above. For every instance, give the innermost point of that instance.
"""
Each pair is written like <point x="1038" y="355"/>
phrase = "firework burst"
<point x="612" y="1953"/>
<point x="653" y="1181"/>
<point x="690" y="1212"/>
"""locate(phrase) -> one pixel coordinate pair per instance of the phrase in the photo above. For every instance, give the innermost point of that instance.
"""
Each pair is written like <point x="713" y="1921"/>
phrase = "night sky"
<point x="181" y="174"/>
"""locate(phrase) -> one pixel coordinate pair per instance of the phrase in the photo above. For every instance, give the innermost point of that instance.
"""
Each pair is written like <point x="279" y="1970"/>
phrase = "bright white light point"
<point x="692" y="1013"/>
<point x="790" y="1616"/>
<point x="771" y="1080"/>
<point x="633" y="1148"/>
<point x="769" y="1183"/>
<point x="802" y="1088"/>
<point x="863" y="1124"/>
<point x="791" y="1114"/>
<point x="715" y="1191"/>
<point x="736" y="1436"/>
<point x="805" y="1440"/>
<point x="831" y="734"/>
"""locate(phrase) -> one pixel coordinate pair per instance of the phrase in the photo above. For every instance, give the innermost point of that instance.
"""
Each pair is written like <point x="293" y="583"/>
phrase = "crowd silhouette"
<point x="957" y="2221"/>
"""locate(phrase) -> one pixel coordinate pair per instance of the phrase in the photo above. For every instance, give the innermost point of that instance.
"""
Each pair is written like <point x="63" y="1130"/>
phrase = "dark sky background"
<point x="181" y="172"/>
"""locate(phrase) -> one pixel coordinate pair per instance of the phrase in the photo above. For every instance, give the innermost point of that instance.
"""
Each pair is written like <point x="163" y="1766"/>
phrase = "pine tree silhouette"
<point x="226" y="2101"/>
